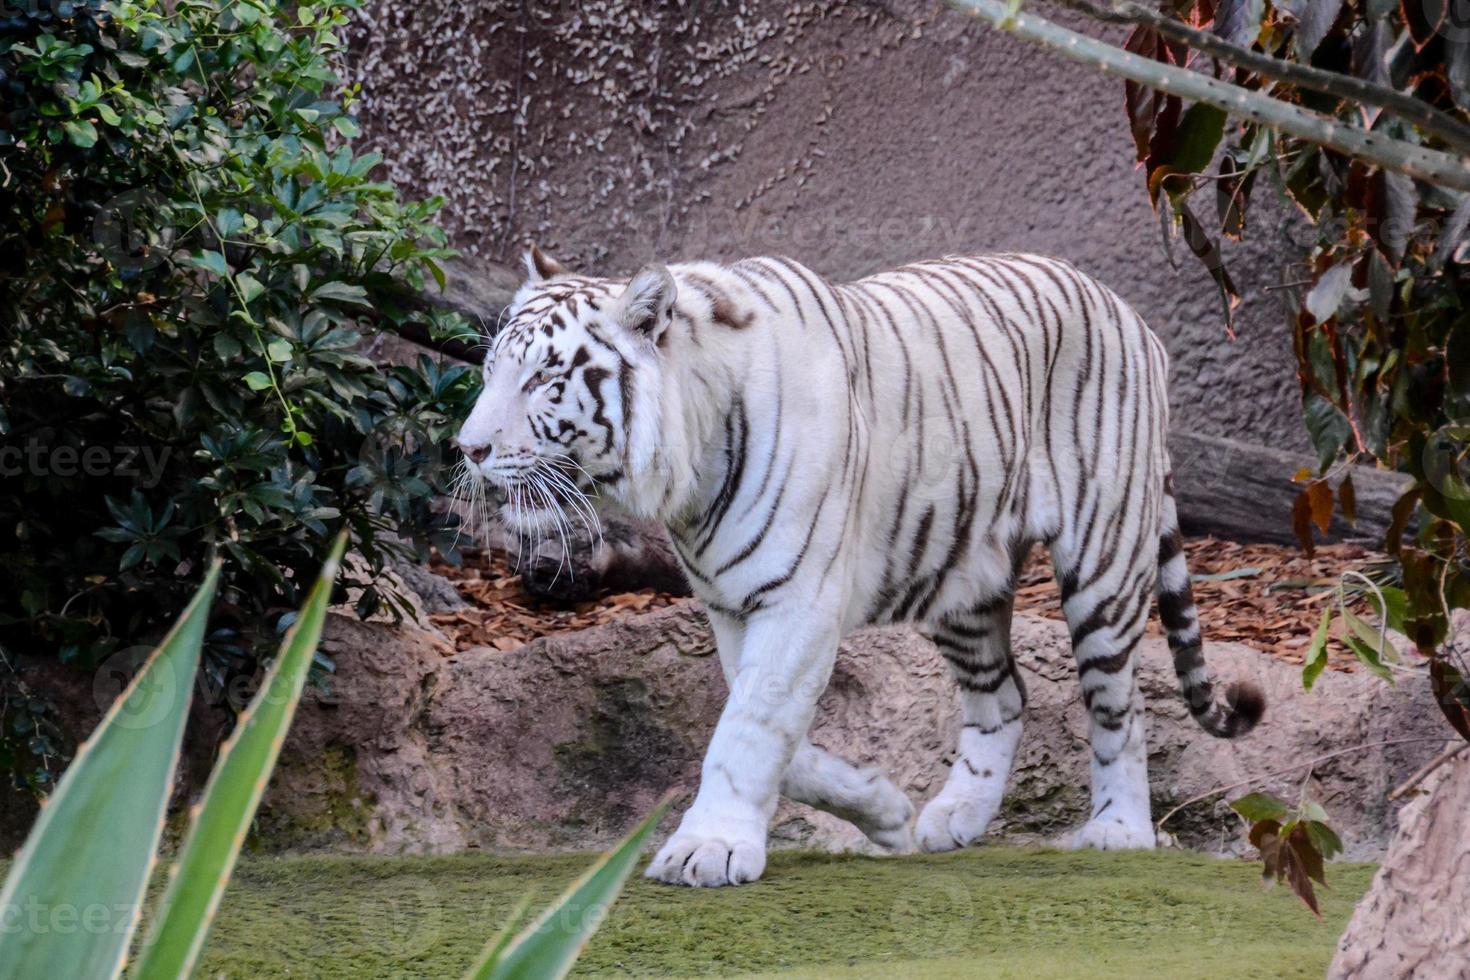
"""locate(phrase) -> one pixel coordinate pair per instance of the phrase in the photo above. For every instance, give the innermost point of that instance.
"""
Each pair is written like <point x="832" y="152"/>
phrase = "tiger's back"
<point x="968" y="407"/>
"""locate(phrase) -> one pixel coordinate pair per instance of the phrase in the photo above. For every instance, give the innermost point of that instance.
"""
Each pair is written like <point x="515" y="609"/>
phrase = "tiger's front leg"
<point x="783" y="667"/>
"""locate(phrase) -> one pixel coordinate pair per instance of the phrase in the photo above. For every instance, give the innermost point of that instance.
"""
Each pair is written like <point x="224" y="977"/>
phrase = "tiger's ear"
<point x="541" y="266"/>
<point x="643" y="309"/>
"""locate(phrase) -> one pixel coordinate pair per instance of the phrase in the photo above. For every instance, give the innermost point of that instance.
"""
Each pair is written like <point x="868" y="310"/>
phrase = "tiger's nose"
<point x="475" y="451"/>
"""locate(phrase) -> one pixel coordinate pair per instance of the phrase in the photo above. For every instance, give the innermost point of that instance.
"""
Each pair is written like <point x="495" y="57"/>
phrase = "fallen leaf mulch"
<point x="1266" y="596"/>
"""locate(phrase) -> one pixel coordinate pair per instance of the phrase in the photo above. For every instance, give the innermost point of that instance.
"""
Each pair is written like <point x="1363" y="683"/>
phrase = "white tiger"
<point x="827" y="456"/>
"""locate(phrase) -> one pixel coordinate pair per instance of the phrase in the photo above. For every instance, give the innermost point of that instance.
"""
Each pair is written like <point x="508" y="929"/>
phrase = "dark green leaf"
<point x="1315" y="660"/>
<point x="341" y="292"/>
<point x="1260" y="806"/>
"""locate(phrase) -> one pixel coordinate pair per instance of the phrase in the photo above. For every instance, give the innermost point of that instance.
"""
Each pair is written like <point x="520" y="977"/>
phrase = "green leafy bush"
<point x="193" y="265"/>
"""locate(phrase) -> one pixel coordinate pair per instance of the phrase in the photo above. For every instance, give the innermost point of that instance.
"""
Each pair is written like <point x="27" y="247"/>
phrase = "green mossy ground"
<point x="986" y="913"/>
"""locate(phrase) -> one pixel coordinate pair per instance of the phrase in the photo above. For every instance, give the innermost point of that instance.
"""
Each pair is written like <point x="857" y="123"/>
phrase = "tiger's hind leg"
<point x="864" y="797"/>
<point x="977" y="646"/>
<point x="1106" y="605"/>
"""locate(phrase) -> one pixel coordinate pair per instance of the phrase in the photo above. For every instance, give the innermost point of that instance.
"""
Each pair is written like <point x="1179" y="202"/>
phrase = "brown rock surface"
<point x="564" y="742"/>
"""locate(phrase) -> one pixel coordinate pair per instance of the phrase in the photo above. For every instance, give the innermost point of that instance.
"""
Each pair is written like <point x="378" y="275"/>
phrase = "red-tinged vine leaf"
<point x="1370" y="60"/>
<point x="1315" y="23"/>
<point x="1427" y="620"/>
<point x="1199" y="135"/>
<point x="1207" y="250"/>
<point x="1304" y="182"/>
<point x="1452" y="691"/>
<point x="1301" y="522"/>
<point x="1380" y="285"/>
<point x="1347" y="499"/>
<point x="1392" y="207"/>
<point x="1198" y="14"/>
<point x="1327" y="293"/>
<point x="1424" y="18"/>
<point x="1143" y="103"/>
<point x="1260" y="808"/>
<point x="1239" y="21"/>
<point x="1153" y="117"/>
<point x="1455" y="234"/>
<point x="1306" y="852"/>
<point x="1262" y="830"/>
<point x="1232" y="194"/>
<point x="1193" y="147"/>
<point x="1265" y="835"/>
<point x="1403" y="511"/>
<point x="1294" y="870"/>
<point x="1292" y="850"/>
<point x="1319" y="498"/>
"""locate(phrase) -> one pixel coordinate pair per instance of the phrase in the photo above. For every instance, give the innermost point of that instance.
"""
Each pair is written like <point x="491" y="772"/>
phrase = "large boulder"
<point x="566" y="741"/>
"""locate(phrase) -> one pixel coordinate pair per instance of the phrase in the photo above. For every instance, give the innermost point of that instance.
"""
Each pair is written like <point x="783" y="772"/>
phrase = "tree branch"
<point x="1421" y="113"/>
<point x="1159" y="825"/>
<point x="418" y="333"/>
<point x="1428" y="768"/>
<point x="1433" y="166"/>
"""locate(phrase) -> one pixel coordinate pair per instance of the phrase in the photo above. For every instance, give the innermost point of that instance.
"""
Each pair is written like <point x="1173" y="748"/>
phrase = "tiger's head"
<point x="569" y="405"/>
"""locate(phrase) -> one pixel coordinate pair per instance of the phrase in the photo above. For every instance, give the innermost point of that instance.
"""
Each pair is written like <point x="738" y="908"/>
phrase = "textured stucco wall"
<point x="851" y="136"/>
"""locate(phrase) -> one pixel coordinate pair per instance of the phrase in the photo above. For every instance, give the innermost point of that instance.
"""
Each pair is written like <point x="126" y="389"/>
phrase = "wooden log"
<point x="1244" y="492"/>
<point x="477" y="289"/>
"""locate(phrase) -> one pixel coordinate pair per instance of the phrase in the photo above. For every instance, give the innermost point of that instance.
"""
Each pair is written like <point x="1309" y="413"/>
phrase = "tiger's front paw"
<point x="1106" y="833"/>
<point x="708" y="861"/>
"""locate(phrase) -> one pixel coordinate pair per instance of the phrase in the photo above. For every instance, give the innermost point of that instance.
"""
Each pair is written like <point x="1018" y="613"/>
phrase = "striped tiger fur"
<point x="826" y="456"/>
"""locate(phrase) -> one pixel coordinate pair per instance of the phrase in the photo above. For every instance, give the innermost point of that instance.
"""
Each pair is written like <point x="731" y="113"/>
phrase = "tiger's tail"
<point x="1244" y="703"/>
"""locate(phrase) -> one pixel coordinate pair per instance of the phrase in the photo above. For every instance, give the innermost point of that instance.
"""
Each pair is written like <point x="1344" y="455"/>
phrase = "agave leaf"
<point x="547" y="948"/>
<point x="90" y="852"/>
<point x="199" y="877"/>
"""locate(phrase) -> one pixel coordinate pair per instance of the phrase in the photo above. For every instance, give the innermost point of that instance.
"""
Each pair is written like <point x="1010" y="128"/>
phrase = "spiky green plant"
<point x="121" y="780"/>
